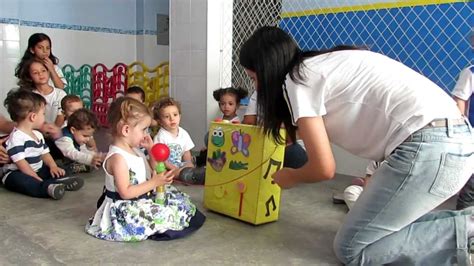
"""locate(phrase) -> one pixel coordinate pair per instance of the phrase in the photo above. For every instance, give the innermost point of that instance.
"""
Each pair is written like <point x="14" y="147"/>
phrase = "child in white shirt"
<point x="168" y="114"/>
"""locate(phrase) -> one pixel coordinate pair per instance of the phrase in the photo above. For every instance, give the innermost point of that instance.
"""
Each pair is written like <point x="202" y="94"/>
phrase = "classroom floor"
<point x="44" y="231"/>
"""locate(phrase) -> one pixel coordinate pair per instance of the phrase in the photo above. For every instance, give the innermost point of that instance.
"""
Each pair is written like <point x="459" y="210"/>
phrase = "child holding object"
<point x="128" y="212"/>
<point x="79" y="131"/>
<point x="168" y="114"/>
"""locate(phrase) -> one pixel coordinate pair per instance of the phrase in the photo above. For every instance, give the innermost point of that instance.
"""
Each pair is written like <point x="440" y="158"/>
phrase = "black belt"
<point x="116" y="196"/>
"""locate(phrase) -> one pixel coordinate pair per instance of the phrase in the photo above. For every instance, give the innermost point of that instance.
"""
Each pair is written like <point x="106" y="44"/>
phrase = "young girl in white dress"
<point x="128" y="212"/>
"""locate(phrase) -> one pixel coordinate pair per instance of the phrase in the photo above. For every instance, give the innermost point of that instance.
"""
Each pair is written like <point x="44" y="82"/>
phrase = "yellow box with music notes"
<point x="240" y="163"/>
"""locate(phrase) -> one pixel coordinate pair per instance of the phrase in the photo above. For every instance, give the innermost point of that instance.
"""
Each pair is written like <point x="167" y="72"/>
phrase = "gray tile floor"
<point x="44" y="231"/>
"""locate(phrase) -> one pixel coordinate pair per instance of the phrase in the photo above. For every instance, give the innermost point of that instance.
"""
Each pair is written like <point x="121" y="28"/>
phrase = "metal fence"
<point x="431" y="37"/>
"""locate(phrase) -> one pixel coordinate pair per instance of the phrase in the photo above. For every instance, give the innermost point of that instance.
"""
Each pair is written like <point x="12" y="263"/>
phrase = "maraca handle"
<point x="160" y="191"/>
<point x="160" y="167"/>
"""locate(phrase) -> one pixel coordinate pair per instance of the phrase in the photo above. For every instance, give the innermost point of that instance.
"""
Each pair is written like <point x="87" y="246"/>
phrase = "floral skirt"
<point x="136" y="220"/>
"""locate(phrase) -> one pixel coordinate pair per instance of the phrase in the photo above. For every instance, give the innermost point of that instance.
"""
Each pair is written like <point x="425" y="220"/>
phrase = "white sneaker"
<point x="351" y="194"/>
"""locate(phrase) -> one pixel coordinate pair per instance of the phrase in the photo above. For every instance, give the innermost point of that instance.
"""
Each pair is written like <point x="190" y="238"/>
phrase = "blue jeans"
<point x="295" y="156"/>
<point x="392" y="222"/>
<point x="25" y="184"/>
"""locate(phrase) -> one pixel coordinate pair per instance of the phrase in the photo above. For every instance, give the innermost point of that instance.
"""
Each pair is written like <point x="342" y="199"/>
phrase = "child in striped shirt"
<point x="32" y="171"/>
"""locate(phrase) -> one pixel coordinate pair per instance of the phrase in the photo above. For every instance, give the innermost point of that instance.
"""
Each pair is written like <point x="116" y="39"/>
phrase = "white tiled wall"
<point x="149" y="52"/>
<point x="188" y="39"/>
<point x="76" y="48"/>
<point x="10" y="55"/>
<point x="86" y="47"/>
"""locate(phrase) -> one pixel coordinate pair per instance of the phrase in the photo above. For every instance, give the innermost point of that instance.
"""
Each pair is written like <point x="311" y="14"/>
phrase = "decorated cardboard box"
<point x="240" y="163"/>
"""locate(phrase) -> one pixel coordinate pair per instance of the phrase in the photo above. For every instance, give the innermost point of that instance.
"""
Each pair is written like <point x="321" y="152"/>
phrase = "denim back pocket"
<point x="453" y="172"/>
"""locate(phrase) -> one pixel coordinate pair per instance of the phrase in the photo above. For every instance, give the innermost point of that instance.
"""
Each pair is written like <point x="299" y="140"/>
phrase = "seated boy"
<point x="136" y="93"/>
<point x="32" y="171"/>
<point x="167" y="112"/>
<point x="78" y="132"/>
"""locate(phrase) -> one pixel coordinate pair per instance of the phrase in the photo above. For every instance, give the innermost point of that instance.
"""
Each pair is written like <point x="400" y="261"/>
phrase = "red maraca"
<point x="160" y="153"/>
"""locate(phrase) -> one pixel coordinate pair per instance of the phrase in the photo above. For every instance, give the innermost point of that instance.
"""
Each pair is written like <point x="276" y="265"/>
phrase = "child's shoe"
<point x="56" y="191"/>
<point x="71" y="183"/>
<point x="351" y="194"/>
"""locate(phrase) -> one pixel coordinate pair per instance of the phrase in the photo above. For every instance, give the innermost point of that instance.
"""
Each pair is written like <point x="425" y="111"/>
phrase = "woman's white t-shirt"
<point x="369" y="102"/>
<point x="465" y="84"/>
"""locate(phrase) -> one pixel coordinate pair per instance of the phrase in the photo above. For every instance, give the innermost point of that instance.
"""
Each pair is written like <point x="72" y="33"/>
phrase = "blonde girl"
<point x="128" y="212"/>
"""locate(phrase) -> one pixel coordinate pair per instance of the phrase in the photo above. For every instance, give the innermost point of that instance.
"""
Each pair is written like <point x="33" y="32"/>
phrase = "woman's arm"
<point x="462" y="105"/>
<point x="321" y="164"/>
<point x="6" y="126"/>
<point x="250" y="120"/>
<point x="59" y="120"/>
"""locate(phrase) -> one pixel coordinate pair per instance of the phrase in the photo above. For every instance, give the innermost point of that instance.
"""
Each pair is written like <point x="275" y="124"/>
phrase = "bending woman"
<point x="379" y="109"/>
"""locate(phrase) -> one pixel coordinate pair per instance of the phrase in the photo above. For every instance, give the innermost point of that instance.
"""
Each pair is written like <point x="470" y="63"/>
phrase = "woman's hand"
<point x="51" y="130"/>
<point x="57" y="172"/>
<point x="162" y="178"/>
<point x="4" y="158"/>
<point x="285" y="178"/>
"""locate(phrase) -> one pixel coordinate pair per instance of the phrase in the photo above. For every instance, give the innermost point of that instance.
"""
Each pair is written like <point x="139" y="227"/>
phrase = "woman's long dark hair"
<point x="272" y="54"/>
<point x="32" y="41"/>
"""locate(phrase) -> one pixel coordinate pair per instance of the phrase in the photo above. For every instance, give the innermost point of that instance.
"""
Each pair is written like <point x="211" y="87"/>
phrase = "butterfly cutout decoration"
<point x="241" y="142"/>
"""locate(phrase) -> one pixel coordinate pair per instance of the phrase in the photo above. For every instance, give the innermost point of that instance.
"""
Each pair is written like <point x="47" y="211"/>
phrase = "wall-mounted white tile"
<point x="198" y="36"/>
<point x="172" y="18"/>
<point x="181" y="37"/>
<point x="198" y="63"/>
<point x="198" y="90"/>
<point x="198" y="11"/>
<point x="182" y="11"/>
<point x="11" y="32"/>
<point x="11" y="49"/>
<point x="180" y="63"/>
<point x="194" y="124"/>
<point x="155" y="54"/>
<point x="181" y="88"/>
<point x="190" y="90"/>
<point x="9" y="65"/>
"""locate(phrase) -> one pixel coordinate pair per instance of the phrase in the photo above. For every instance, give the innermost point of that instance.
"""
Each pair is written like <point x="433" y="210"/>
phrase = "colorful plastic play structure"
<point x="98" y="86"/>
